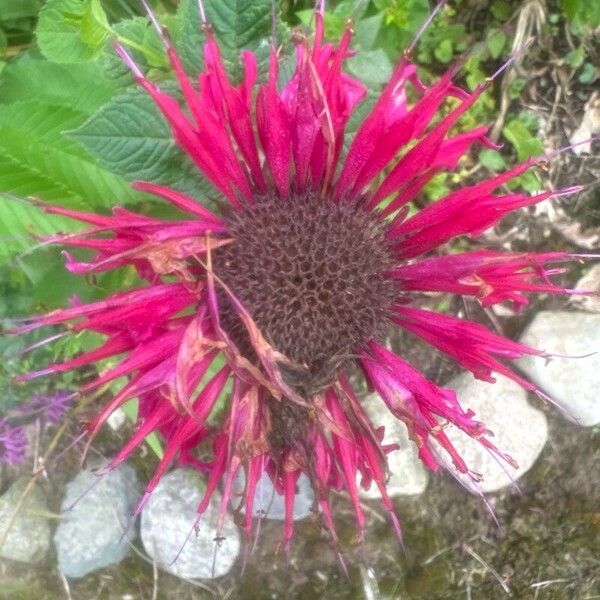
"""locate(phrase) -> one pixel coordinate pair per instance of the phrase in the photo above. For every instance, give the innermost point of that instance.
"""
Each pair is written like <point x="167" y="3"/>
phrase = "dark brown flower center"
<point x="313" y="275"/>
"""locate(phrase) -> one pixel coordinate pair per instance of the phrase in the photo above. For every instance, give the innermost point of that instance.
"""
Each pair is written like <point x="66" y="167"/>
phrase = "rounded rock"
<point x="572" y="380"/>
<point x="95" y="528"/>
<point x="590" y="282"/>
<point x="28" y="539"/>
<point x="171" y="538"/>
<point x="408" y="476"/>
<point x="268" y="504"/>
<point x="519" y="430"/>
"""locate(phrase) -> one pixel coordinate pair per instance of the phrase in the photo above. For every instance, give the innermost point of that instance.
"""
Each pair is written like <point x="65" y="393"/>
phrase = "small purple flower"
<point x="56" y="406"/>
<point x="49" y="407"/>
<point x="13" y="444"/>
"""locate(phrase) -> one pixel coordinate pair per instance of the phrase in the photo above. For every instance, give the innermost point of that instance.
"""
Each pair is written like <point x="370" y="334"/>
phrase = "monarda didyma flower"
<point x="299" y="278"/>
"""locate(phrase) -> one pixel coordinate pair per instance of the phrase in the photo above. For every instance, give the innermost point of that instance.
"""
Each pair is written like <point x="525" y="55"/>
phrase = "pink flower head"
<point x="298" y="279"/>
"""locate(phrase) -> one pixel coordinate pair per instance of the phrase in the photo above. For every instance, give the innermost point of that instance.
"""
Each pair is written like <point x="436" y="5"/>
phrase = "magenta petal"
<point x="470" y="344"/>
<point x="274" y="130"/>
<point x="492" y="277"/>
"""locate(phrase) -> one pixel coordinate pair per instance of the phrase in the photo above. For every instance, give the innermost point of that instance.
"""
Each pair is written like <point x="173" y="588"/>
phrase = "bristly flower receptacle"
<point x="312" y="260"/>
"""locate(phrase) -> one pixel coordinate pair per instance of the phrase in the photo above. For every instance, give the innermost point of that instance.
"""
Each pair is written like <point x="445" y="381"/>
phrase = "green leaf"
<point x="496" y="42"/>
<point x="241" y="24"/>
<point x="238" y="24"/>
<point x="575" y="58"/>
<point x="72" y="31"/>
<point x="437" y="188"/>
<point x="52" y="284"/>
<point x="588" y="74"/>
<point x="582" y="13"/>
<point x="18" y="9"/>
<point x="118" y="10"/>
<point x="373" y="67"/>
<point x="501" y="9"/>
<point x="113" y="67"/>
<point x="519" y="135"/>
<point x="492" y="159"/>
<point x="404" y="14"/>
<point x="129" y="136"/>
<point x="19" y="221"/>
<point x="32" y="135"/>
<point x="351" y="9"/>
<point x="143" y="44"/>
<point x="528" y="182"/>
<point x="81" y="85"/>
<point x="367" y="31"/>
<point x="444" y="51"/>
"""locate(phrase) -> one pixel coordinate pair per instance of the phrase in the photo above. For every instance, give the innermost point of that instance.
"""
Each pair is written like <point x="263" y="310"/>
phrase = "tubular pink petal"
<point x="446" y="157"/>
<point x="491" y="277"/>
<point x="274" y="130"/>
<point x="347" y="456"/>
<point x="181" y="201"/>
<point x="470" y="344"/>
<point x="290" y="479"/>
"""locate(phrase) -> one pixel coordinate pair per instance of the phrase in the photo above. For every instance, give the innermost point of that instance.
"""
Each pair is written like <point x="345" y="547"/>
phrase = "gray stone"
<point x="95" y="528"/>
<point x="590" y="282"/>
<point x="269" y="504"/>
<point x="168" y="533"/>
<point x="408" y="476"/>
<point x="519" y="429"/>
<point x="28" y="538"/>
<point x="572" y="383"/>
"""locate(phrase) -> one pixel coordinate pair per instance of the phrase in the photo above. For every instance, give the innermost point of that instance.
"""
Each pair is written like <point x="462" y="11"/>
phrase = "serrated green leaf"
<point x="32" y="134"/>
<point x="72" y="31"/>
<point x="241" y="24"/>
<point x="118" y="10"/>
<point x="143" y="44"/>
<point x="81" y="85"/>
<point x="238" y="24"/>
<point x="129" y="136"/>
<point x="113" y="67"/>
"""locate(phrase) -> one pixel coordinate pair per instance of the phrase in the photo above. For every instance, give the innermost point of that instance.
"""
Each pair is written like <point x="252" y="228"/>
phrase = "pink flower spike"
<point x="286" y="284"/>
